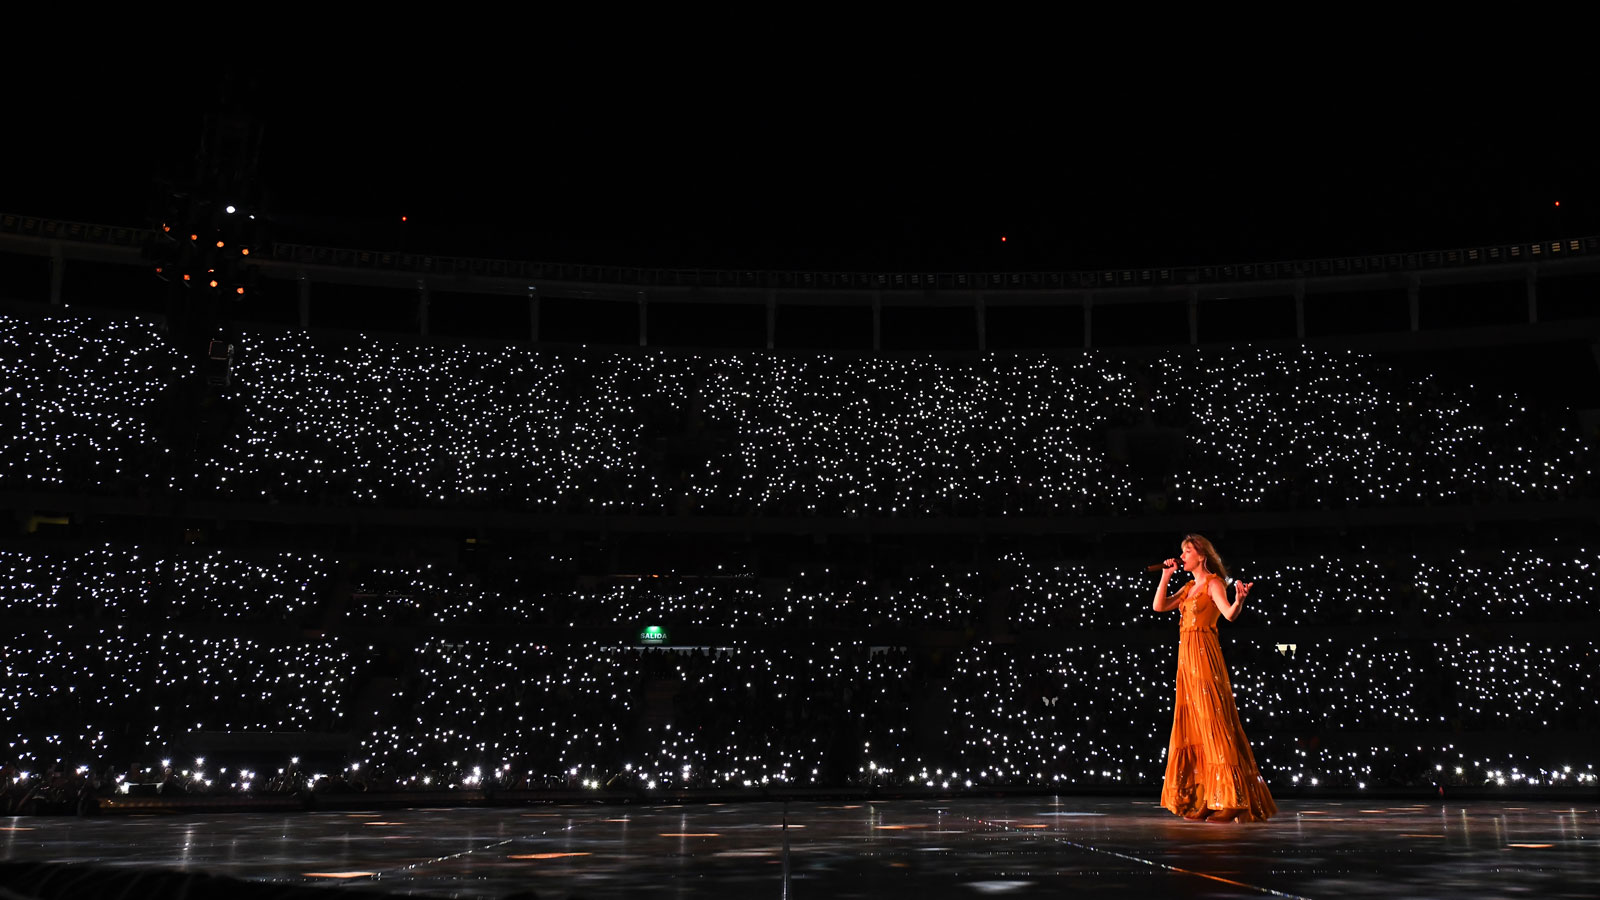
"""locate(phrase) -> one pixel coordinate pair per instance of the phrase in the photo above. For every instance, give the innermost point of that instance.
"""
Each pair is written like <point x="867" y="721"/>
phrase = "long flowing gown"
<point x="1209" y="763"/>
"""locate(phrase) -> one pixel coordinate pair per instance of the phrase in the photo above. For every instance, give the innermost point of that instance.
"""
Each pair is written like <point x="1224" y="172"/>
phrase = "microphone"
<point x="1157" y="567"/>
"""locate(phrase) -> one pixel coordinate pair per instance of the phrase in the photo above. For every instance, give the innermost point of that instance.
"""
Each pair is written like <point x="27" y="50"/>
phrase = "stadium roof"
<point x="677" y="173"/>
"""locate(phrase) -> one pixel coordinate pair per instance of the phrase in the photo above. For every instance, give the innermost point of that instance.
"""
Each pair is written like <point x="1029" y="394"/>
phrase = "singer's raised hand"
<point x="1171" y="566"/>
<point x="1241" y="589"/>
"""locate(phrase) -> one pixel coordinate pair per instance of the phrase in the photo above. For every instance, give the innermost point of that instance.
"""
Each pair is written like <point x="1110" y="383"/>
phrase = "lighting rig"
<point x="204" y="233"/>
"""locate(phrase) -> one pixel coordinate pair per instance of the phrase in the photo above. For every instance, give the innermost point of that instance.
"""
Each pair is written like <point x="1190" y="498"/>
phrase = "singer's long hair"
<point x="1213" y="560"/>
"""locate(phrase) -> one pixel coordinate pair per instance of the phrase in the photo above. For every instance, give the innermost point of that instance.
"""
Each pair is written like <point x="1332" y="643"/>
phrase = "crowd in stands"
<point x="191" y="585"/>
<point x="106" y="405"/>
<point x="520" y="715"/>
<point x="1505" y="585"/>
<point x="127" y="583"/>
<point x="113" y="678"/>
<point x="98" y="691"/>
<point x="1058" y="671"/>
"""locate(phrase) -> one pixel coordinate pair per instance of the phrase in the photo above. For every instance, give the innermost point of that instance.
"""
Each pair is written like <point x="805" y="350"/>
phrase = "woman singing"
<point x="1211" y="773"/>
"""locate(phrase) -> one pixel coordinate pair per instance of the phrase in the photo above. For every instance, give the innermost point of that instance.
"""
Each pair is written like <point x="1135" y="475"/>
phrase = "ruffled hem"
<point x="1221" y="787"/>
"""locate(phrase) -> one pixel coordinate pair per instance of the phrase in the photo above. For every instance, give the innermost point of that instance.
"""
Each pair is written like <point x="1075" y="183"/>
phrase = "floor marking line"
<point x="1149" y="862"/>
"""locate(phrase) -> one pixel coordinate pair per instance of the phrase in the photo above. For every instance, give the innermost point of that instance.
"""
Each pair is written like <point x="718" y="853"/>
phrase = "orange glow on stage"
<point x="544" y="855"/>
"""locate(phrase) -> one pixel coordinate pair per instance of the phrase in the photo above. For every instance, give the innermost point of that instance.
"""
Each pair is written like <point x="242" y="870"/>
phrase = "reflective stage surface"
<point x="1015" y="847"/>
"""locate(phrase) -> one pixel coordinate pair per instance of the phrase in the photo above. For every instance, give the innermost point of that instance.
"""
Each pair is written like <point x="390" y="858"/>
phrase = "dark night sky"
<point x="683" y="172"/>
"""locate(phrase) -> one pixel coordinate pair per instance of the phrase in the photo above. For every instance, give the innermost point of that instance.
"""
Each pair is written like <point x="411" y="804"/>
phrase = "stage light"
<point x="230" y="210"/>
<point x="238" y="290"/>
<point x="245" y="251"/>
<point x="213" y="282"/>
<point x="219" y="245"/>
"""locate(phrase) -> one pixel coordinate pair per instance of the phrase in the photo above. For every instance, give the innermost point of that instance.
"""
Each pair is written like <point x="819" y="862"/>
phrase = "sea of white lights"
<point x="88" y="691"/>
<point x="932" y="596"/>
<point x="199" y="584"/>
<point x="1490" y="586"/>
<point x="195" y="584"/>
<point x="96" y="405"/>
<point x="364" y="420"/>
<point x="1369" y="706"/>
<point x="83" y="403"/>
<point x="1335" y="429"/>
<point x="1514" y="585"/>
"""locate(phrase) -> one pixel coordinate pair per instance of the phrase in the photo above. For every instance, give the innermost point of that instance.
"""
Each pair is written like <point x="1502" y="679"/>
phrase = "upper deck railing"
<point x="808" y="280"/>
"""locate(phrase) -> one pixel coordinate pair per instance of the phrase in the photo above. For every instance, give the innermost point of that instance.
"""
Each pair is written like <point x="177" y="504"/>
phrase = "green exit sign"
<point x="653" y="634"/>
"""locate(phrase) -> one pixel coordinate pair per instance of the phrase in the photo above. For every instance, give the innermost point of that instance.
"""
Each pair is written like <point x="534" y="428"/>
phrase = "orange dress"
<point x="1209" y="763"/>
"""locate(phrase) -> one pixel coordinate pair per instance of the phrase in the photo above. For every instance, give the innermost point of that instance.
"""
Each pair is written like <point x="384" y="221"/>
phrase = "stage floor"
<point x="1015" y="847"/>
